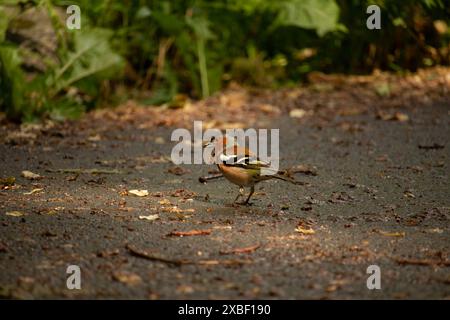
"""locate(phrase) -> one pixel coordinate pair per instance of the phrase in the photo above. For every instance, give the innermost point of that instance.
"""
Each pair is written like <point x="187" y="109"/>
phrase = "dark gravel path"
<point x="381" y="196"/>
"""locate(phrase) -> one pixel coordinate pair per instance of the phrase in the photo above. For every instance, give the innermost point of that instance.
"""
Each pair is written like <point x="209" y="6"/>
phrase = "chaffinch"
<point x="241" y="167"/>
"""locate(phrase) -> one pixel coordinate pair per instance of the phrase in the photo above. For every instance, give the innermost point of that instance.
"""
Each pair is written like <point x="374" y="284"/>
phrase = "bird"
<point x="242" y="167"/>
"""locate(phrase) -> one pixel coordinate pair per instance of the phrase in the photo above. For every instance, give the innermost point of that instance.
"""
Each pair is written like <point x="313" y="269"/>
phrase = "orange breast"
<point x="236" y="175"/>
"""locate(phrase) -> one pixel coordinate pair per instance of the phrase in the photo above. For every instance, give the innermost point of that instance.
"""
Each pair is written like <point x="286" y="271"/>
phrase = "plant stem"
<point x="203" y="68"/>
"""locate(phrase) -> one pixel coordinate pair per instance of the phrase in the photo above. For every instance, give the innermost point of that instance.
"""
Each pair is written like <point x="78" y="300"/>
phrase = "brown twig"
<point x="424" y="262"/>
<point x="240" y="250"/>
<point x="189" y="233"/>
<point x="148" y="256"/>
<point x="178" y="263"/>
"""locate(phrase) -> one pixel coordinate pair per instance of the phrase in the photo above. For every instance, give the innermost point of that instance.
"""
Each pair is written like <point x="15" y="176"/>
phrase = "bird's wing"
<point x="243" y="161"/>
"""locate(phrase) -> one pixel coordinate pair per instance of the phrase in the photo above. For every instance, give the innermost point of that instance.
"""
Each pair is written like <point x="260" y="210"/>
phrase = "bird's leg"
<point x="252" y="191"/>
<point x="240" y="194"/>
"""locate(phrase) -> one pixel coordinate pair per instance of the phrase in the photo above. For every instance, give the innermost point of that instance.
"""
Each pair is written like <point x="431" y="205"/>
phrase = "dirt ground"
<point x="377" y="192"/>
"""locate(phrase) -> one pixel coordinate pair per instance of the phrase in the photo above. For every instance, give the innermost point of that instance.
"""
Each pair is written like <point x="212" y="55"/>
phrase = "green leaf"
<point x="200" y="25"/>
<point x="320" y="15"/>
<point x="91" y="56"/>
<point x="143" y="12"/>
<point x="3" y="23"/>
<point x="12" y="81"/>
<point x="169" y="23"/>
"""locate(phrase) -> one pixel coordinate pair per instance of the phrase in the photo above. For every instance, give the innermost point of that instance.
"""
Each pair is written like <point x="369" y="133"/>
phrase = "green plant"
<point x="195" y="47"/>
<point x="85" y="59"/>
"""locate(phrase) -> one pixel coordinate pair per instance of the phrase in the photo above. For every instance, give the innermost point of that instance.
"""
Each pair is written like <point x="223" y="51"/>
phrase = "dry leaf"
<point x="164" y="202"/>
<point x="175" y="209"/>
<point x="435" y="230"/>
<point x="33" y="191"/>
<point x="184" y="289"/>
<point x="178" y="170"/>
<point x="402" y="117"/>
<point x="190" y="233"/>
<point x="14" y="213"/>
<point x="392" y="234"/>
<point x="30" y="175"/>
<point x="241" y="250"/>
<point x="269" y="109"/>
<point x="303" y="168"/>
<point x="7" y="182"/>
<point x="139" y="193"/>
<point x="160" y="140"/>
<point x="151" y="217"/>
<point x="397" y="116"/>
<point x="302" y="230"/>
<point x="95" y="138"/>
<point x="127" y="277"/>
<point x="297" y="113"/>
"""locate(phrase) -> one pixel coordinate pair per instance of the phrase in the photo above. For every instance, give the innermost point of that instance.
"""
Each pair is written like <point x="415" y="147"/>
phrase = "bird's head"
<point x="219" y="144"/>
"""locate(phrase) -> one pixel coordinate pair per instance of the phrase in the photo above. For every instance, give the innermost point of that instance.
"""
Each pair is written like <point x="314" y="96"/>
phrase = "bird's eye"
<point x="212" y="139"/>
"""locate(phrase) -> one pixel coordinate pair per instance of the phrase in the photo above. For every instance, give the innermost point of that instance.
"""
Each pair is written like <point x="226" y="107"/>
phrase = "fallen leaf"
<point x="30" y="175"/>
<point x="402" y="117"/>
<point x="181" y="217"/>
<point x="139" y="193"/>
<point x="49" y="212"/>
<point x="304" y="230"/>
<point x="7" y="182"/>
<point x="14" y="213"/>
<point x="269" y="109"/>
<point x="397" y="116"/>
<point x="87" y="171"/>
<point x="151" y="217"/>
<point x="297" y="113"/>
<point x="392" y="234"/>
<point x="72" y="177"/>
<point x="241" y="250"/>
<point x="425" y="262"/>
<point x="383" y="89"/>
<point x="305" y="227"/>
<point x="175" y="209"/>
<point x="33" y="191"/>
<point x="95" y="138"/>
<point x="178" y="170"/>
<point x="305" y="169"/>
<point x="184" y="289"/>
<point x="435" y="230"/>
<point x="108" y="253"/>
<point x="408" y="194"/>
<point x="190" y="233"/>
<point x="127" y="277"/>
<point x="164" y="202"/>
<point x="173" y="181"/>
<point x="157" y="159"/>
<point x="160" y="140"/>
<point x="18" y="137"/>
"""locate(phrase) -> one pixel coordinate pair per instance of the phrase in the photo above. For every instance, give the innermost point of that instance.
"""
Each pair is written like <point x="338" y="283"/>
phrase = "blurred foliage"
<point x="163" y="48"/>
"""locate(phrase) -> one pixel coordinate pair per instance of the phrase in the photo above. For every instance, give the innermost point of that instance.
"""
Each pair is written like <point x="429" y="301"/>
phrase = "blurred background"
<point x="164" y="52"/>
